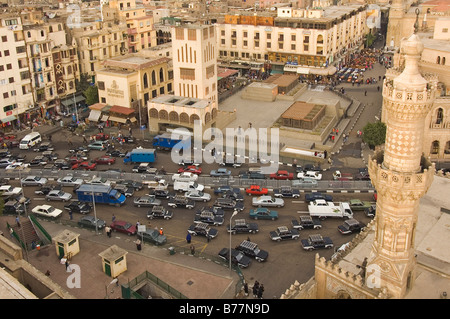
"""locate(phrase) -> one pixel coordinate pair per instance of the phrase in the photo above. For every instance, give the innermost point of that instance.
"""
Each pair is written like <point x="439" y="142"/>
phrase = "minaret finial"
<point x="416" y="24"/>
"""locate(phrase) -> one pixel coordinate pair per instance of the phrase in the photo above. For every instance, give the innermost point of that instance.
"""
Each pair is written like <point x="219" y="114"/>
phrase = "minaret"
<point x="394" y="31"/>
<point x="400" y="174"/>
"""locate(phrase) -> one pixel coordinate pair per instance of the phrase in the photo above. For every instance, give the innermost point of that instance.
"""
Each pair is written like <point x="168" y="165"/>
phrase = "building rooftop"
<point x="181" y="101"/>
<point x="134" y="62"/>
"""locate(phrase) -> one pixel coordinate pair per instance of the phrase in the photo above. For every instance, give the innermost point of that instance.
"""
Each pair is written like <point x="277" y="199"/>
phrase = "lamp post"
<point x="232" y="215"/>
<point x="107" y="286"/>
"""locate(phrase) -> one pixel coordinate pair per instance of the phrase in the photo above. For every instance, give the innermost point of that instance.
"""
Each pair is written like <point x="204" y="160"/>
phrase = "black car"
<point x="306" y="222"/>
<point x="181" y="201"/>
<point x="228" y="203"/>
<point x="202" y="229"/>
<point x="45" y="189"/>
<point x="18" y="157"/>
<point x="284" y="233"/>
<point x="241" y="226"/>
<point x="237" y="257"/>
<point x="316" y="242"/>
<point x="19" y="198"/>
<point x="81" y="148"/>
<point x="116" y="153"/>
<point x="78" y="207"/>
<point x="126" y="190"/>
<point x="50" y="155"/>
<point x="233" y="195"/>
<point x="217" y="211"/>
<point x="351" y="226"/>
<point x="162" y="193"/>
<point x="317" y="195"/>
<point x="13" y="207"/>
<point x="251" y="175"/>
<point x="208" y="218"/>
<point x="130" y="183"/>
<point x="91" y="222"/>
<point x="38" y="161"/>
<point x="370" y="211"/>
<point x="159" y="212"/>
<point x="252" y="250"/>
<point x="45" y="146"/>
<point x="62" y="164"/>
<point x="286" y="191"/>
<point x="224" y="189"/>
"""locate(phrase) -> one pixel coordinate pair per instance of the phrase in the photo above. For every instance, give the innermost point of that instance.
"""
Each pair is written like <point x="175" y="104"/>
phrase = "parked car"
<point x="304" y="183"/>
<point x="70" y="181"/>
<point x="126" y="190"/>
<point x="371" y="211"/>
<point x="282" y="175"/>
<point x="38" y="161"/>
<point x="185" y="176"/>
<point x="97" y="145"/>
<point x="87" y="166"/>
<point x="146" y="201"/>
<point x="100" y="181"/>
<point x="256" y="190"/>
<point x="13" y="207"/>
<point x="144" y="168"/>
<point x="44" y="146"/>
<point x="310" y="174"/>
<point x="252" y="250"/>
<point x="152" y="236"/>
<point x="202" y="229"/>
<point x="237" y="257"/>
<point x="7" y="190"/>
<point x="161" y="193"/>
<point x="159" y="212"/>
<point x="263" y="213"/>
<point x="208" y="217"/>
<point x="217" y="211"/>
<point x="310" y="197"/>
<point x="237" y="196"/>
<point x="251" y="175"/>
<point x="190" y="169"/>
<point x="241" y="226"/>
<point x="108" y="160"/>
<point x="47" y="211"/>
<point x="79" y="149"/>
<point x="284" y="233"/>
<point x="17" y="165"/>
<point x="116" y="153"/>
<point x="351" y="226"/>
<point x="130" y="183"/>
<point x="58" y="195"/>
<point x="123" y="227"/>
<point x="181" y="201"/>
<point x="220" y="172"/>
<point x="101" y="137"/>
<point x="306" y="222"/>
<point x="357" y="204"/>
<point x="228" y="203"/>
<point x="78" y="207"/>
<point x="316" y="242"/>
<point x="91" y="222"/>
<point x="198" y="196"/>
<point x="267" y="201"/>
<point x="286" y="191"/>
<point x="33" y="180"/>
<point x="225" y="188"/>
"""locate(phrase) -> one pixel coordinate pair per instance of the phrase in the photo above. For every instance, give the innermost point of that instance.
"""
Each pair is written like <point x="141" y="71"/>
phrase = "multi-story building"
<point x="15" y="77"/>
<point x="311" y="38"/>
<point x="140" y="31"/>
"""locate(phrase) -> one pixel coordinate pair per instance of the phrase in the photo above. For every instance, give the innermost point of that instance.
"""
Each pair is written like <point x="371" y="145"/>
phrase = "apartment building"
<point x="98" y="41"/>
<point x="307" y="39"/>
<point x="141" y="33"/>
<point x="15" y="77"/>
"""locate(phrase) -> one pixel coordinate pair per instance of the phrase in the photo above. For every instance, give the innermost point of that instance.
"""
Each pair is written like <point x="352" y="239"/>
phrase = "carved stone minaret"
<point x="400" y="173"/>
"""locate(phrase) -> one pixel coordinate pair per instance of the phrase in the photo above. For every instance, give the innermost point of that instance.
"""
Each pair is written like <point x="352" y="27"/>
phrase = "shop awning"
<point x="133" y="119"/>
<point x="69" y="101"/>
<point x="302" y="70"/>
<point x="117" y="119"/>
<point x="9" y="119"/>
<point x="94" y="115"/>
<point x="104" y="118"/>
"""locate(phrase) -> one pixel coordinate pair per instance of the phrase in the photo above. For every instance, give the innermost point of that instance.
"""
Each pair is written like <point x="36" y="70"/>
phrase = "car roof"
<point x="283" y="229"/>
<point x="316" y="237"/>
<point x="248" y="244"/>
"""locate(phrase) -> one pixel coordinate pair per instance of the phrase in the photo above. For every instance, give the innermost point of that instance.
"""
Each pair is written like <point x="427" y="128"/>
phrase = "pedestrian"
<point x="332" y="138"/>
<point x="208" y="238"/>
<point x="325" y="154"/>
<point x="365" y="93"/>
<point x="260" y="291"/>
<point x="69" y="141"/>
<point x="138" y="244"/>
<point x="255" y="289"/>
<point x="70" y="215"/>
<point x="192" y="247"/>
<point x="67" y="265"/>
<point x="130" y="131"/>
<point x="245" y="288"/>
<point x="84" y="139"/>
<point x="108" y="231"/>
<point x="113" y="218"/>
<point x="161" y="231"/>
<point x="378" y="88"/>
<point x="17" y="221"/>
<point x="137" y="225"/>
<point x="188" y="238"/>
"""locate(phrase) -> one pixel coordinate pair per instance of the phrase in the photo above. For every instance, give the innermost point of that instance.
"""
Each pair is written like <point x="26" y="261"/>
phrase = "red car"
<point x="123" y="227"/>
<point x="85" y="165"/>
<point x="190" y="169"/>
<point x="109" y="160"/>
<point x="101" y="137"/>
<point x="282" y="175"/>
<point x="256" y="190"/>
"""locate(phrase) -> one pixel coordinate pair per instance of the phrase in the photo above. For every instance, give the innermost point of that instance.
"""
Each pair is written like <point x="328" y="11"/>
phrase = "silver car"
<point x="267" y="201"/>
<point x="69" y="180"/>
<point x="33" y="181"/>
<point x="146" y="201"/>
<point x="198" y="196"/>
<point x="58" y="195"/>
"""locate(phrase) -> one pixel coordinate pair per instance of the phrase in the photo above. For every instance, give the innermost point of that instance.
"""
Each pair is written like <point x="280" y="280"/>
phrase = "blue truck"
<point x="100" y="194"/>
<point x="140" y="155"/>
<point x="166" y="142"/>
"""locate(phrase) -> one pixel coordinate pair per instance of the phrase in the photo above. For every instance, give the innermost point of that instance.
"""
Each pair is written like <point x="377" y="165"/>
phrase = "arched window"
<point x="173" y="116"/>
<point x="163" y="115"/>
<point x="320" y="39"/>
<point x="439" y="115"/>
<point x="69" y="69"/>
<point x="438" y="60"/>
<point x="184" y="118"/>
<point x="161" y="75"/>
<point x="447" y="148"/>
<point x="207" y="117"/>
<point x="145" y="80"/>
<point x="443" y="60"/>
<point x="153" y="78"/>
<point x="154" y="113"/>
<point x="214" y="113"/>
<point x="435" y="147"/>
<point x="194" y="117"/>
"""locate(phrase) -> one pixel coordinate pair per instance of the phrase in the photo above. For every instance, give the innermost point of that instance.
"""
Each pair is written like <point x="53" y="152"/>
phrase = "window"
<point x="435" y="147"/>
<point x="179" y="34"/>
<point x="5" y="95"/>
<point x="245" y="43"/>
<point x="210" y="71"/>
<point x="153" y="78"/>
<point x="9" y="66"/>
<point x="293" y="47"/>
<point x="445" y="30"/>
<point x="6" y="52"/>
<point x="11" y="80"/>
<point x="269" y="36"/>
<point x="306" y="39"/>
<point x="187" y="74"/>
<point x="293" y="37"/>
<point x="269" y="45"/>
<point x="145" y="80"/>
<point x="161" y="75"/>
<point x="245" y="34"/>
<point x="101" y="85"/>
<point x="4" y="38"/>
<point x="2" y="68"/>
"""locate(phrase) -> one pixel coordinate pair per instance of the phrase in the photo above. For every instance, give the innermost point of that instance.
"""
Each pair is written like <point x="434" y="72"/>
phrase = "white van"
<point x="30" y="140"/>
<point x="187" y="186"/>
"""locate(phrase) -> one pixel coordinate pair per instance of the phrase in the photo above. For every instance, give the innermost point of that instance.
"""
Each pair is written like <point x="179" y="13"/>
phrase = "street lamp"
<point x="232" y="215"/>
<point x="107" y="286"/>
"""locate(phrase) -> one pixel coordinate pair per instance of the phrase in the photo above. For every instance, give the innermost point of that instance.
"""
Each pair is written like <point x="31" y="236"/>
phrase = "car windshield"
<point x="127" y="226"/>
<point x="37" y="178"/>
<point x="50" y="209"/>
<point x="61" y="193"/>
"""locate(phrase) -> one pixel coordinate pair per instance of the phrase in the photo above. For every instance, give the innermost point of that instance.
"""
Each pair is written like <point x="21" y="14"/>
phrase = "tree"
<point x="91" y="94"/>
<point x="374" y="134"/>
<point x="84" y="83"/>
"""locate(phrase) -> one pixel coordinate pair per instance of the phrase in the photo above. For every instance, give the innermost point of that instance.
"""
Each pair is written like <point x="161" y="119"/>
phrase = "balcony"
<point x="132" y="31"/>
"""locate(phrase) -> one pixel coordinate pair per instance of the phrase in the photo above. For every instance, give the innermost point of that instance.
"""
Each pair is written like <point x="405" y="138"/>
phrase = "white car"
<point x="47" y="210"/>
<point x="198" y="196"/>
<point x="33" y="181"/>
<point x="69" y="180"/>
<point x="185" y="177"/>
<point x="8" y="190"/>
<point x="310" y="174"/>
<point x="17" y="165"/>
<point x="100" y="181"/>
<point x="58" y="195"/>
<point x="267" y="201"/>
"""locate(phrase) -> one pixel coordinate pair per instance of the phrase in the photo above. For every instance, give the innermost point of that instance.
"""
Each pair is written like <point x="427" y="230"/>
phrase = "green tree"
<point x="374" y="134"/>
<point x="84" y="83"/>
<point x="91" y="94"/>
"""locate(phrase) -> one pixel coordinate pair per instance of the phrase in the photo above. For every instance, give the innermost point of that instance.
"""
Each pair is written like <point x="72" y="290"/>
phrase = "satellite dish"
<point x="51" y="15"/>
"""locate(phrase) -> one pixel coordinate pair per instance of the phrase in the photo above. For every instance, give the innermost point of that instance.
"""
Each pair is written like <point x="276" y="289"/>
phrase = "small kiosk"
<point x="114" y="261"/>
<point x="67" y="244"/>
